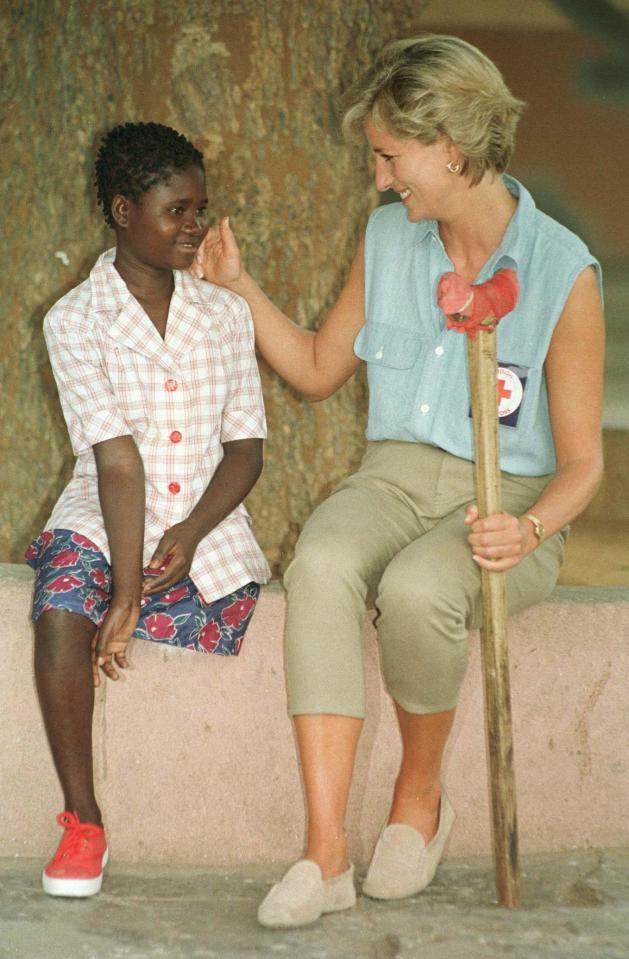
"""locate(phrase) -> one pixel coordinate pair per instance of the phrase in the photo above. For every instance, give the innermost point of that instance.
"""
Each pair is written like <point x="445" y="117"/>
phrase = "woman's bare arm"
<point x="574" y="378"/>
<point x="316" y="364"/>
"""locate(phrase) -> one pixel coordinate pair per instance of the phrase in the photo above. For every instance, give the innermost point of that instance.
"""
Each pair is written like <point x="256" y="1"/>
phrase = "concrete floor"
<point x="575" y="906"/>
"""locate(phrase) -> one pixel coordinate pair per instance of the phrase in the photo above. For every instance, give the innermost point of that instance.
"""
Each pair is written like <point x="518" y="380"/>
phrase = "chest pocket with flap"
<point x="392" y="354"/>
<point x="388" y="346"/>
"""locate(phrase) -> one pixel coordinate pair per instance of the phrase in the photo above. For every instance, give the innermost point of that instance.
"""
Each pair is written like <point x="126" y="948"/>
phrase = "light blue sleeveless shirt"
<point x="417" y="370"/>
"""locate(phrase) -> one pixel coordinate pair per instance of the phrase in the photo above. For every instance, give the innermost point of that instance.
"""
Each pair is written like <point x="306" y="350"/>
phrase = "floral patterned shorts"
<point x="73" y="574"/>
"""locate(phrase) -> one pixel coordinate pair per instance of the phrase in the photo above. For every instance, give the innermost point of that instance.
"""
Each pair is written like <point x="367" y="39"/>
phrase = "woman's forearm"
<point x="286" y="347"/>
<point x="568" y="493"/>
<point x="315" y="364"/>
<point x="500" y="541"/>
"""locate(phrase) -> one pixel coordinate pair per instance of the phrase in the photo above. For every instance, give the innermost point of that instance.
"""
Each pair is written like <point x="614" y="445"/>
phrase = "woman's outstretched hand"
<point x="499" y="541"/>
<point x="218" y="257"/>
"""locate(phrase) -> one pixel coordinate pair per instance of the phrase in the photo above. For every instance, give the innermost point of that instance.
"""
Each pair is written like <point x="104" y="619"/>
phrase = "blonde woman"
<point x="402" y="534"/>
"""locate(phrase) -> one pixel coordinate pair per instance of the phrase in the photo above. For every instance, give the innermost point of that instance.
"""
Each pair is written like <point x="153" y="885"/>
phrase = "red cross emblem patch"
<point x="511" y="385"/>
<point x="510" y="390"/>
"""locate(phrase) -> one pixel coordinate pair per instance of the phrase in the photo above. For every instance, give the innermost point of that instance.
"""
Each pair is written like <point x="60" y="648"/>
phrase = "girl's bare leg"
<point x="63" y="673"/>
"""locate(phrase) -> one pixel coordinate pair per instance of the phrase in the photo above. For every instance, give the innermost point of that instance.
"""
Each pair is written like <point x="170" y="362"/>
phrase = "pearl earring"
<point x="453" y="167"/>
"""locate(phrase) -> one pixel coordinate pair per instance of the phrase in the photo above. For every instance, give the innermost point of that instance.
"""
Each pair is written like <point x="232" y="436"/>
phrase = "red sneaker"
<point x="77" y="867"/>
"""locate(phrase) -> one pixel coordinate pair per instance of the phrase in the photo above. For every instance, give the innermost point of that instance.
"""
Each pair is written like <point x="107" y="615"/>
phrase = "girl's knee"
<point x="62" y="635"/>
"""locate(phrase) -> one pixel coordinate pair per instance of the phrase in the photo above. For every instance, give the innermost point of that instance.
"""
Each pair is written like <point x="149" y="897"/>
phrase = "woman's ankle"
<point x="417" y="806"/>
<point x="330" y="855"/>
<point x="424" y="793"/>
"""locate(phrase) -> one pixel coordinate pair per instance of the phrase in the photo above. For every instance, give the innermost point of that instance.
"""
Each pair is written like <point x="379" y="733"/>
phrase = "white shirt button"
<point x="424" y="408"/>
<point x="439" y="351"/>
<point x="380" y="354"/>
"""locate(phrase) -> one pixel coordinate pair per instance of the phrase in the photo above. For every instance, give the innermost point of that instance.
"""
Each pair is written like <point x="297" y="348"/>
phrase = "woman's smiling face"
<point x="417" y="171"/>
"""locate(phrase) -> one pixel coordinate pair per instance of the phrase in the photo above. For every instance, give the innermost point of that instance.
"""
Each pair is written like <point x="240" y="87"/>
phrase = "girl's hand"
<point x="109" y="646"/>
<point x="173" y="558"/>
<point x="499" y="541"/>
<point x="218" y="257"/>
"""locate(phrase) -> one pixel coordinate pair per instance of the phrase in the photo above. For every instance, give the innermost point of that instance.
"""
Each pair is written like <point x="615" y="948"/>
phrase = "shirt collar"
<point x="427" y="228"/>
<point x="110" y="292"/>
<point x="189" y="287"/>
<point x="517" y="236"/>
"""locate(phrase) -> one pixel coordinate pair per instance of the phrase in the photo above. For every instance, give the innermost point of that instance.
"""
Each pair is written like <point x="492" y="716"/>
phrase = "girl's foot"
<point x="77" y="867"/>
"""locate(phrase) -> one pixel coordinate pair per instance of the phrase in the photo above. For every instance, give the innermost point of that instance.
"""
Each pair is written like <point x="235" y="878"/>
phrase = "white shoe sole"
<point x="75" y="888"/>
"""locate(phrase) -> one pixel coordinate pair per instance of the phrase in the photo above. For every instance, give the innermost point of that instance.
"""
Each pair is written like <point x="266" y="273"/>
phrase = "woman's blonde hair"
<point x="436" y="86"/>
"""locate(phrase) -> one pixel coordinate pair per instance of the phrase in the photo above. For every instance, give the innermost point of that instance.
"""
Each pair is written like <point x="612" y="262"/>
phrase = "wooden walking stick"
<point x="476" y="311"/>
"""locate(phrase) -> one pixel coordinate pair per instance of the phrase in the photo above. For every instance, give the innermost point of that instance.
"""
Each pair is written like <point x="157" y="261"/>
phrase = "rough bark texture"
<point x="256" y="86"/>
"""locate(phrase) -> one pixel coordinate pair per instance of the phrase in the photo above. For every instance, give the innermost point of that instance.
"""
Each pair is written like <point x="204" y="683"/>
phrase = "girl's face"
<point x="418" y="172"/>
<point x="166" y="226"/>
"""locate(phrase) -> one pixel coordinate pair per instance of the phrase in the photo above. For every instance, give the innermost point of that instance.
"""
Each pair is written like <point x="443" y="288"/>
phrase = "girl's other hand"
<point x="218" y="257"/>
<point x="172" y="559"/>
<point x="109" y="647"/>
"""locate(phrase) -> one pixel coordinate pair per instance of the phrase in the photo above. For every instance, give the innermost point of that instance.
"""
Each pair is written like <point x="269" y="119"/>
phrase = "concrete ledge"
<point x="196" y="761"/>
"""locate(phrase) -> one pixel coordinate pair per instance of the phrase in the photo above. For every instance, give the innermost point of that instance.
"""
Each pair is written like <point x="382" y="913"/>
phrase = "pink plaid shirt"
<point x="180" y="399"/>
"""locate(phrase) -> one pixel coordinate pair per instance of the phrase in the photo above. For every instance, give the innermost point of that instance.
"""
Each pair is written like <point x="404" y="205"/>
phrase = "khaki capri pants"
<point x="392" y="537"/>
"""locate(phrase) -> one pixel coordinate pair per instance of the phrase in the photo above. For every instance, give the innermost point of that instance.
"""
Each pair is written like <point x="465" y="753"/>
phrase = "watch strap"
<point x="538" y="526"/>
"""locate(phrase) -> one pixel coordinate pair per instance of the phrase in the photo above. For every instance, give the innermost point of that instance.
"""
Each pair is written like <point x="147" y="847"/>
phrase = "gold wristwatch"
<point x="538" y="527"/>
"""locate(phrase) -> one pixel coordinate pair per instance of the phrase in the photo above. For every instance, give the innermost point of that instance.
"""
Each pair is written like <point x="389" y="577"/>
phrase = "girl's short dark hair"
<point x="133" y="157"/>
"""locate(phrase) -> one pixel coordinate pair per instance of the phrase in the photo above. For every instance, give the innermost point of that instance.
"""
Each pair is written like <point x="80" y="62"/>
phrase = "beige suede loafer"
<point x="402" y="863"/>
<point x="303" y="896"/>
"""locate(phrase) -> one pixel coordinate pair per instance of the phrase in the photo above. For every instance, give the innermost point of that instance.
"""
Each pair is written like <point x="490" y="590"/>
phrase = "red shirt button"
<point x="175" y="436"/>
<point x="171" y="385"/>
<point x="173" y="488"/>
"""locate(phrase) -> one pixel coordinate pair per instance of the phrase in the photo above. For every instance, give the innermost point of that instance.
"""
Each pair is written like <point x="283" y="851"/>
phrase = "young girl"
<point x="161" y="394"/>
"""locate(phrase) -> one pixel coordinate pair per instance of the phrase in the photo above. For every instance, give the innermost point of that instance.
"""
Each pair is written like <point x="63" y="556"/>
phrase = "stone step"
<point x="195" y="756"/>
